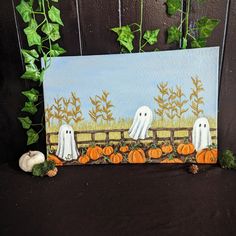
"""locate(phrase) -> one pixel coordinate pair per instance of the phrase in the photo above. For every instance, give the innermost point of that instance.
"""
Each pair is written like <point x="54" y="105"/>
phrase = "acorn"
<point x="52" y="173"/>
<point x="193" y="169"/>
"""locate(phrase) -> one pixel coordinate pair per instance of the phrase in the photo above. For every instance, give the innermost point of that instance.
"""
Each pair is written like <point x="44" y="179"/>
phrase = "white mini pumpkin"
<point x="29" y="159"/>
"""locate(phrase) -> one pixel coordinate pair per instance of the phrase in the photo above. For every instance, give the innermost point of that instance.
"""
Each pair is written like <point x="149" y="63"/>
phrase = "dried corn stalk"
<point x="96" y="112"/>
<point x="75" y="113"/>
<point x="180" y="102"/>
<point x="57" y="110"/>
<point x="162" y="100"/>
<point x="171" y="107"/>
<point x="196" y="99"/>
<point x="67" y="115"/>
<point x="48" y="115"/>
<point x="106" y="106"/>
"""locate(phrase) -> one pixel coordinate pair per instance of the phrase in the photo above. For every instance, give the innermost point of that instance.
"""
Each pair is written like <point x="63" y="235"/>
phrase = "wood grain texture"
<point x="12" y="136"/>
<point x="70" y="35"/>
<point x="97" y="18"/>
<point x="227" y="108"/>
<point x="154" y="16"/>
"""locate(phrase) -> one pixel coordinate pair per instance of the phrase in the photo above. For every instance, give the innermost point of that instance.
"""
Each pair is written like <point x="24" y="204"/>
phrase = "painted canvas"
<point x="156" y="107"/>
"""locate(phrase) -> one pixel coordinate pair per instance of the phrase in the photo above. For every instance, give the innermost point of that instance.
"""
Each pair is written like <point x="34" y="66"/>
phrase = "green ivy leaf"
<point x="31" y="72"/>
<point x="25" y="10"/>
<point x="198" y="43"/>
<point x="173" y="6"/>
<point x="55" y="15"/>
<point x="51" y="30"/>
<point x="56" y="50"/>
<point x="29" y="55"/>
<point x="33" y="136"/>
<point x="33" y="37"/>
<point x="30" y="108"/>
<point x="174" y="34"/>
<point x="25" y="122"/>
<point x="55" y="0"/>
<point x="32" y="95"/>
<point x="151" y="36"/>
<point x="205" y="26"/>
<point x="125" y="37"/>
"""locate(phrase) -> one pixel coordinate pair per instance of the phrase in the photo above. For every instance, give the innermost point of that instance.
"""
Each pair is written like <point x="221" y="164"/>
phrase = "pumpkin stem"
<point x="83" y="151"/>
<point x="171" y="156"/>
<point x="116" y="149"/>
<point x="153" y="145"/>
<point x="212" y="146"/>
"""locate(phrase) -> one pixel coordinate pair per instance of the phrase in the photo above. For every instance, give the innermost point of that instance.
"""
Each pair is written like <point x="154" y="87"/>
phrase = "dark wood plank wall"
<point x="86" y="32"/>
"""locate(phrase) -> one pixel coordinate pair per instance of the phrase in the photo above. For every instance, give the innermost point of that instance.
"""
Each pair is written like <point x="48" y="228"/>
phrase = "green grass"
<point x="126" y="123"/>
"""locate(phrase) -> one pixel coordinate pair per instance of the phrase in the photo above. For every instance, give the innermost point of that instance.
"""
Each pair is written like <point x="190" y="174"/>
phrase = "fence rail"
<point x="154" y="137"/>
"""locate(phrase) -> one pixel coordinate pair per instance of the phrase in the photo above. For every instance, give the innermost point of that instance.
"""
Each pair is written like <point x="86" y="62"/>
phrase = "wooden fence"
<point x="154" y="137"/>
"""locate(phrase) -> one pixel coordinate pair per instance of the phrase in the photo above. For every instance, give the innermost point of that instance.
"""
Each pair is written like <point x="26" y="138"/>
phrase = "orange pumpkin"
<point x="116" y="158"/>
<point x="185" y="148"/>
<point x="108" y="150"/>
<point x="155" y="153"/>
<point x="137" y="156"/>
<point x="56" y="160"/>
<point x="172" y="160"/>
<point x="207" y="155"/>
<point x="124" y="149"/>
<point x="94" y="152"/>
<point x="84" y="159"/>
<point x="167" y="148"/>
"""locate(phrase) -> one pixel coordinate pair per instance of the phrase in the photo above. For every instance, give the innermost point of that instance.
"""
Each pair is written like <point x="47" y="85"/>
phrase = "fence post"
<point x="48" y="140"/>
<point x="93" y="136"/>
<point x="122" y="135"/>
<point x="154" y="135"/>
<point x="190" y="135"/>
<point x="172" y="136"/>
<point x="107" y="137"/>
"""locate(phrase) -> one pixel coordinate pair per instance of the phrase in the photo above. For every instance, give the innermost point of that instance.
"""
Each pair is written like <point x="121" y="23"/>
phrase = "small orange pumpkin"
<point x="185" y="148"/>
<point x="172" y="160"/>
<point x="84" y="159"/>
<point x="56" y="160"/>
<point x="94" y="152"/>
<point x="108" y="150"/>
<point x="124" y="149"/>
<point x="155" y="153"/>
<point x="166" y="148"/>
<point x="137" y="156"/>
<point x="207" y="155"/>
<point x="116" y="158"/>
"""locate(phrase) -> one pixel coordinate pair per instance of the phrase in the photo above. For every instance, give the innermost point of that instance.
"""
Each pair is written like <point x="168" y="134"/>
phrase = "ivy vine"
<point x="194" y="37"/>
<point x="43" y="22"/>
<point x="127" y="33"/>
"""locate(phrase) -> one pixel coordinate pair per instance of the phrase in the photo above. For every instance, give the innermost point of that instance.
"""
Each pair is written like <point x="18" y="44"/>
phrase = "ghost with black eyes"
<point x="67" y="149"/>
<point x="141" y="123"/>
<point x="201" y="136"/>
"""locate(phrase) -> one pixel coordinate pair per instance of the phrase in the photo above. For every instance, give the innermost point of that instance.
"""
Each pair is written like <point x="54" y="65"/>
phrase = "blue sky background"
<point x="132" y="79"/>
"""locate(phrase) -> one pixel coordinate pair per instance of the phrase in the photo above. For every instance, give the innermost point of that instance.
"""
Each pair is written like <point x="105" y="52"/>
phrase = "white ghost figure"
<point x="201" y="136"/>
<point x="141" y="123"/>
<point x="67" y="149"/>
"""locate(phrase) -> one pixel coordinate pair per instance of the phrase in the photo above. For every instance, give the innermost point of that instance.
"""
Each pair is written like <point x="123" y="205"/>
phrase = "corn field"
<point x="172" y="103"/>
